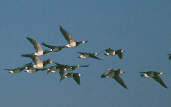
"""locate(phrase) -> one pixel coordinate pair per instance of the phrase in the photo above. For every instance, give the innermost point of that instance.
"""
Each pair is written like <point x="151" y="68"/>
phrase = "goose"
<point x="57" y="68"/>
<point x="155" y="76"/>
<point x="33" y="70"/>
<point x="39" y="65"/>
<point x="85" y="55"/>
<point x="111" y="52"/>
<point x="16" y="70"/>
<point x="111" y="73"/>
<point x="75" y="76"/>
<point x="71" y="42"/>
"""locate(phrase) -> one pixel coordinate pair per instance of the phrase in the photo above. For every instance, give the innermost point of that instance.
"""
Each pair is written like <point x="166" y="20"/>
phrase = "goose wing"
<point x="120" y="55"/>
<point x="36" y="45"/>
<point x="120" y="81"/>
<point x="66" y="35"/>
<point x="95" y="57"/>
<point x="62" y="74"/>
<point x="76" y="77"/>
<point x="159" y="80"/>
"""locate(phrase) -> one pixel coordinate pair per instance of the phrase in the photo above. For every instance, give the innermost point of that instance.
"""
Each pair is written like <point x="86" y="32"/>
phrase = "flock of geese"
<point x="67" y="71"/>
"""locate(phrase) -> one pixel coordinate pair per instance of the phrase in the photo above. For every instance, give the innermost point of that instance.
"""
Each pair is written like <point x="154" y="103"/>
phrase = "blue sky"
<point x="141" y="28"/>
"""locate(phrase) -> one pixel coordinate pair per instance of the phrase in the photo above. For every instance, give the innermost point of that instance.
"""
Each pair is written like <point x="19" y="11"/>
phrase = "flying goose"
<point x="85" y="55"/>
<point x="39" y="65"/>
<point x="111" y="52"/>
<point x="70" y="40"/>
<point x="75" y="76"/>
<point x="111" y="73"/>
<point x="155" y="76"/>
<point x="16" y="70"/>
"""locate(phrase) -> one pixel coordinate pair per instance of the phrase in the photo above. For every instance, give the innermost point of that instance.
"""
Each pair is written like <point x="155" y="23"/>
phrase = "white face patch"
<point x="83" y="42"/>
<point x="107" y="76"/>
<point x="161" y="73"/>
<point x="53" y="71"/>
<point x="51" y="62"/>
<point x="121" y="72"/>
<point x="29" y="71"/>
<point x="12" y="72"/>
<point x="82" y="56"/>
<point x="95" y="54"/>
<point x="107" y="54"/>
<point x="145" y="75"/>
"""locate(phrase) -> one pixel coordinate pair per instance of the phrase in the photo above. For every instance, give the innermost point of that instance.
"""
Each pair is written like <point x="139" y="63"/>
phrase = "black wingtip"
<point x="27" y="55"/>
<point x="29" y="38"/>
<point x="165" y="87"/>
<point x="43" y="43"/>
<point x="103" y="76"/>
<point x="60" y="27"/>
<point x="126" y="87"/>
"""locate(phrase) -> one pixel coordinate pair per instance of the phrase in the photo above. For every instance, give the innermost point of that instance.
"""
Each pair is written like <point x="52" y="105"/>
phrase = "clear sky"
<point x="140" y="27"/>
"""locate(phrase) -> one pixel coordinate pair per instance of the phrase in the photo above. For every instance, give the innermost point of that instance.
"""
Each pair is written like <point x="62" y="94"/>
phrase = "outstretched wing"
<point x="159" y="80"/>
<point x="28" y="55"/>
<point x="120" y="55"/>
<point x="120" y="81"/>
<point x="36" y="45"/>
<point x="62" y="74"/>
<point x="76" y="77"/>
<point x="84" y="65"/>
<point x="95" y="57"/>
<point x="66" y="35"/>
